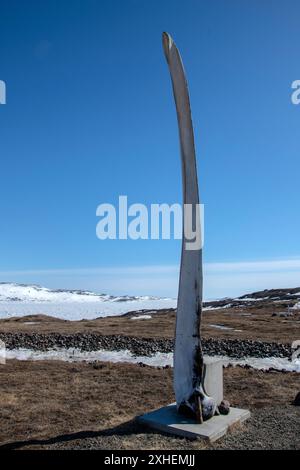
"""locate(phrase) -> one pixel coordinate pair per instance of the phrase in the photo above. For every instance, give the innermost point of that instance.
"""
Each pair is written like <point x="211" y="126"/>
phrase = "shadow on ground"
<point x="128" y="428"/>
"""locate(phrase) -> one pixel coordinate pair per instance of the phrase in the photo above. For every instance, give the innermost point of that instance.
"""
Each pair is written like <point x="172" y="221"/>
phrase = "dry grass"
<point x="44" y="400"/>
<point x="260" y="326"/>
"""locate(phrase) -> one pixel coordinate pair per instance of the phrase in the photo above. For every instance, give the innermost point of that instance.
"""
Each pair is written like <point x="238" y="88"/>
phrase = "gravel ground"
<point x="141" y="346"/>
<point x="277" y="428"/>
<point x="268" y="428"/>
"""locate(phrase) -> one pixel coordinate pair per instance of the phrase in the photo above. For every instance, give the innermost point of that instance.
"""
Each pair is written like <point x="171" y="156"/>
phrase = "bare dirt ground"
<point x="53" y="405"/>
<point x="245" y="323"/>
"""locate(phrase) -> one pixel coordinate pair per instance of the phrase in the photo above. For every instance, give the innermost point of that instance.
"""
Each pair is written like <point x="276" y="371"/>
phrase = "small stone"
<point x="224" y="407"/>
<point x="296" y="402"/>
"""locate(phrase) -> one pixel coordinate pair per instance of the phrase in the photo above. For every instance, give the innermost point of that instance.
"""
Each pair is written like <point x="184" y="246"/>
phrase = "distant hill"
<point x="287" y="297"/>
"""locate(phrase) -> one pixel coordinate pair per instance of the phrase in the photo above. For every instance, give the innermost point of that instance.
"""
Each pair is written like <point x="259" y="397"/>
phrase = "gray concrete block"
<point x="167" y="419"/>
<point x="213" y="382"/>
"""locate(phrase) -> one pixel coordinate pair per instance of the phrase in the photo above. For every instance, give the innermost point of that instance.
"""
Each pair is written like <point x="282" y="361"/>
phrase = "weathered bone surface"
<point x="191" y="397"/>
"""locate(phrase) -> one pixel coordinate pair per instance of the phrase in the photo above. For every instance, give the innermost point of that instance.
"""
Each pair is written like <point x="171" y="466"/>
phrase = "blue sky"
<point x="90" y="116"/>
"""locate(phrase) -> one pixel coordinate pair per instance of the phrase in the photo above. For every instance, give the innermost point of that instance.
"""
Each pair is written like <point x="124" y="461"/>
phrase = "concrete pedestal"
<point x="168" y="420"/>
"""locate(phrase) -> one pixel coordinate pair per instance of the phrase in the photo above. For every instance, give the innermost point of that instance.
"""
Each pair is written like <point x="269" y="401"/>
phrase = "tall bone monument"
<point x="198" y="381"/>
<point x="190" y="394"/>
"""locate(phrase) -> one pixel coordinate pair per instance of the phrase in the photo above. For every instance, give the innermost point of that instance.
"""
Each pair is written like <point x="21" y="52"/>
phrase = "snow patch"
<point x="75" y="355"/>
<point x="141" y="317"/>
<point x="223" y="327"/>
<point x="251" y="299"/>
<point x="81" y="310"/>
<point x="216" y="308"/>
<point x="157" y="360"/>
<point x="264" y="363"/>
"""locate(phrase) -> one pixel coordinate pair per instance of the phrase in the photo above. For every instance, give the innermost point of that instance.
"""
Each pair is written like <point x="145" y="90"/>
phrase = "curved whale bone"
<point x="189" y="370"/>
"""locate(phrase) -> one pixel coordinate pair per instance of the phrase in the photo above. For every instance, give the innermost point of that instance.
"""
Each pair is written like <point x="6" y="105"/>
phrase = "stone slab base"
<point x="167" y="419"/>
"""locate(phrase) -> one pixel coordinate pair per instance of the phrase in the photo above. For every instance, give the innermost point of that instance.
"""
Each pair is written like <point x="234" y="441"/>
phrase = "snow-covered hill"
<point x="283" y="297"/>
<point x="31" y="293"/>
<point x="20" y="300"/>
